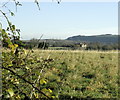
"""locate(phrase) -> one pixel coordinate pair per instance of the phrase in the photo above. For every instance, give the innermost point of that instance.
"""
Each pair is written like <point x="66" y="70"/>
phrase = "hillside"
<point x="107" y="38"/>
<point x="103" y="42"/>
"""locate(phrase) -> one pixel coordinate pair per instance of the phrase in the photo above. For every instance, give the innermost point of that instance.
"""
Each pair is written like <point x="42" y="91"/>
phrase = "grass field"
<point x="81" y="74"/>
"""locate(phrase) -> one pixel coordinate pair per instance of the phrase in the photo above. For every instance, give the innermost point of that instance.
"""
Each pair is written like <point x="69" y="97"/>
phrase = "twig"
<point x="7" y="20"/>
<point x="36" y="1"/>
<point x="27" y="54"/>
<point x="32" y="84"/>
<point x="5" y="3"/>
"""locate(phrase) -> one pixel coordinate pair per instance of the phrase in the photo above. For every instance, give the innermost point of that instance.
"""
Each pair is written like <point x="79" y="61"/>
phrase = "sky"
<point x="60" y="21"/>
<point x="67" y="0"/>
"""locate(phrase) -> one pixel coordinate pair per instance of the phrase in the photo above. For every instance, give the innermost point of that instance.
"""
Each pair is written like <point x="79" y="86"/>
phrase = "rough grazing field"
<point x="81" y="74"/>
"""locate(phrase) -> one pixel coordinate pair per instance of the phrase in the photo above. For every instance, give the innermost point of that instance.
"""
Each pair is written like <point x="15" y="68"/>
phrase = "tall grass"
<point x="81" y="74"/>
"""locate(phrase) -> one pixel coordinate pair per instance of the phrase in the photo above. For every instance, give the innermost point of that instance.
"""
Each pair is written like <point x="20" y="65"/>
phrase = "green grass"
<point x="81" y="74"/>
<point x="58" y="48"/>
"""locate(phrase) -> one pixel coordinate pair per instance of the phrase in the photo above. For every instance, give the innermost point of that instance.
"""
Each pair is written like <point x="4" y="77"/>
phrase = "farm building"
<point x="81" y="46"/>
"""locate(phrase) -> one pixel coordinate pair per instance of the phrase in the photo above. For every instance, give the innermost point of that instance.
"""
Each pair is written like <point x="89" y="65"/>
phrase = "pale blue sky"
<point x="67" y="19"/>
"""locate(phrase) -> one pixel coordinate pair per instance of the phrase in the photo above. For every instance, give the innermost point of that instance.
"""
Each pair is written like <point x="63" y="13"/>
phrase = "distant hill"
<point x="96" y="42"/>
<point x="106" y="38"/>
<point x="71" y="41"/>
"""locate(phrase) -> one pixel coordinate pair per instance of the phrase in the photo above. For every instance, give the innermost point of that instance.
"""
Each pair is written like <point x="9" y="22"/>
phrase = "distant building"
<point x="81" y="46"/>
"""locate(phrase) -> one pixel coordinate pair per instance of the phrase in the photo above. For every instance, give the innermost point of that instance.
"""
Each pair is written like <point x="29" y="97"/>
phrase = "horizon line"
<point x="68" y="37"/>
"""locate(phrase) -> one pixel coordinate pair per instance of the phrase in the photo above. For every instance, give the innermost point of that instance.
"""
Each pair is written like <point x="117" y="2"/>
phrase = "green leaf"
<point x="53" y="97"/>
<point x="21" y="72"/>
<point x="42" y="81"/>
<point x="10" y="65"/>
<point x="12" y="14"/>
<point x="10" y="91"/>
<point x="13" y="27"/>
<point x="44" y="90"/>
<point x="7" y="28"/>
<point x="27" y="68"/>
<point x="50" y="90"/>
<point x="3" y="30"/>
<point x="20" y="4"/>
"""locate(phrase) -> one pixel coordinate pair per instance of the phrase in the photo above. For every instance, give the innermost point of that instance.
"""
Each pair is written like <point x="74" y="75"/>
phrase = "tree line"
<point x="34" y="43"/>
